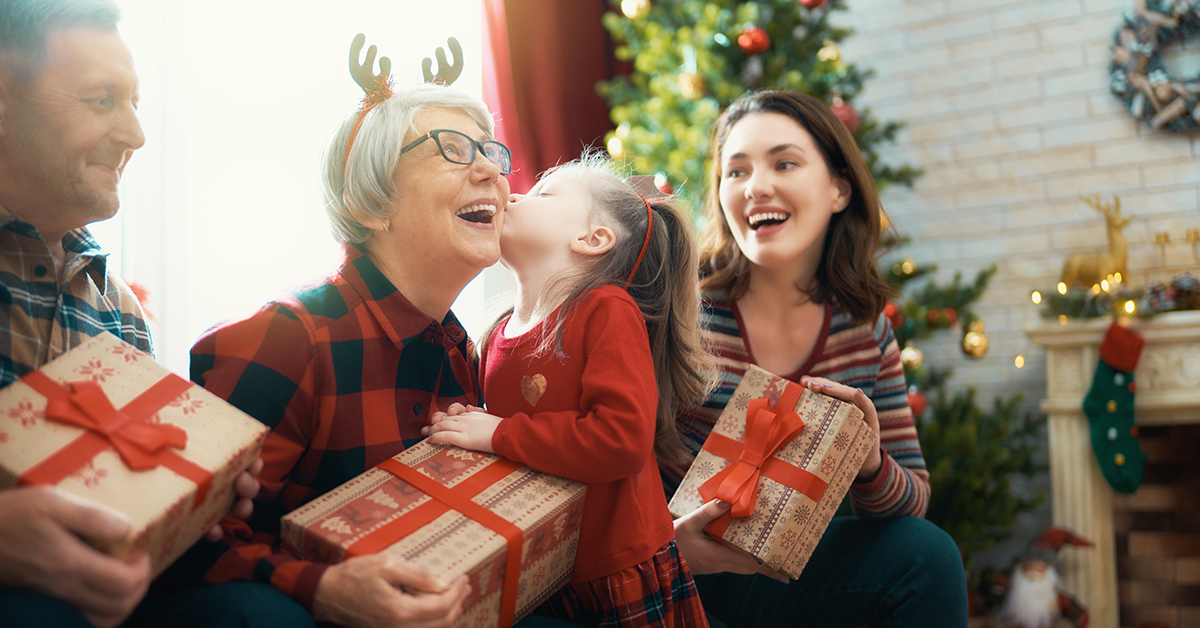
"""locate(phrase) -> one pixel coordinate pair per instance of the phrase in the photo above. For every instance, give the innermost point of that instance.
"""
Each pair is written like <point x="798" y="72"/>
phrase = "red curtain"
<point x="542" y="59"/>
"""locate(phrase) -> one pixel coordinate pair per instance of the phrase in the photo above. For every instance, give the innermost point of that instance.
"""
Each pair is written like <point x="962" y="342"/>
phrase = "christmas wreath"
<point x="1139" y="77"/>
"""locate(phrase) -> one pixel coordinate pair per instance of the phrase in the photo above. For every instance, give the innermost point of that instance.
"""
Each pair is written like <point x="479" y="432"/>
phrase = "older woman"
<point x="347" y="370"/>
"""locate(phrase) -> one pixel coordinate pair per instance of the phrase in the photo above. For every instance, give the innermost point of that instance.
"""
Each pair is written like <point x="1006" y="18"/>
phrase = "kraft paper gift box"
<point x="453" y="512"/>
<point x="170" y="457"/>
<point x="804" y="450"/>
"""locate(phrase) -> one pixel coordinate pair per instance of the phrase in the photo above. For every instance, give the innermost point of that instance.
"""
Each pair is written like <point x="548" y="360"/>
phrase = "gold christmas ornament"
<point x="692" y="85"/>
<point x="616" y="148"/>
<point x="975" y="341"/>
<point x="634" y="9"/>
<point x="912" y="357"/>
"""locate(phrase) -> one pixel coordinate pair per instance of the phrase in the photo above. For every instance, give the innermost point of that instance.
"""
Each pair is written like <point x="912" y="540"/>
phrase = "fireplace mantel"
<point x="1168" y="379"/>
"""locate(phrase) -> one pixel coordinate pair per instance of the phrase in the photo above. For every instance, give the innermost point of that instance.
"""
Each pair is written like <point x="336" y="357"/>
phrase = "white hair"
<point x="364" y="183"/>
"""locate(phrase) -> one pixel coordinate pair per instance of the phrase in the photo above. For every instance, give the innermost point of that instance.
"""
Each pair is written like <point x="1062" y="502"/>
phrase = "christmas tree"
<point x="692" y="58"/>
<point x="973" y="456"/>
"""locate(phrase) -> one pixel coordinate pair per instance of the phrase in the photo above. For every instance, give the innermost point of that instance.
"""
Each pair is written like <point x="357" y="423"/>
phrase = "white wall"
<point x="1009" y="111"/>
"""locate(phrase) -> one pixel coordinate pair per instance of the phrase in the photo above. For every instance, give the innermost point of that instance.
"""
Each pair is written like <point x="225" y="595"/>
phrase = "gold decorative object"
<point x="1162" y="239"/>
<point x="1193" y="237"/>
<point x="975" y="341"/>
<point x="1088" y="269"/>
<point x="692" y="85"/>
<point x="912" y="357"/>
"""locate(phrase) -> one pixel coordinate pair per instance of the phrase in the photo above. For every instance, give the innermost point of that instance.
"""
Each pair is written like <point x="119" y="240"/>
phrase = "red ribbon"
<point x="458" y="498"/>
<point x="767" y="430"/>
<point x="141" y="444"/>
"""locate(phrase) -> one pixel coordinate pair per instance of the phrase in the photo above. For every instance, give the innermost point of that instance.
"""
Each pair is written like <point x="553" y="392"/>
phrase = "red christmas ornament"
<point x="812" y="4"/>
<point x="893" y="313"/>
<point x="951" y="315"/>
<point x="917" y="401"/>
<point x="754" y="40"/>
<point x="846" y="113"/>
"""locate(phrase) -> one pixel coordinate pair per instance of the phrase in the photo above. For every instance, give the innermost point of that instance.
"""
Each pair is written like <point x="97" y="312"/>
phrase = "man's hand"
<point x="706" y="555"/>
<point x="850" y="394"/>
<point x="247" y="486"/>
<point x="42" y="547"/>
<point x="469" y="429"/>
<point x="383" y="590"/>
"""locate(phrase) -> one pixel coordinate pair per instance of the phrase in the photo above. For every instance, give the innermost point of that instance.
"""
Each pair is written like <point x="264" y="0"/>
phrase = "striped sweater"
<point x="864" y="356"/>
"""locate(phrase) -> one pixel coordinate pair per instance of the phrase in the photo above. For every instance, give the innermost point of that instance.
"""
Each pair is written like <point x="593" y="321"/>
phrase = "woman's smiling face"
<point x="449" y="211"/>
<point x="777" y="193"/>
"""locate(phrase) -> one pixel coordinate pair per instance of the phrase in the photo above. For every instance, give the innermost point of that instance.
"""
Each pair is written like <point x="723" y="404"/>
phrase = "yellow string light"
<point x="1020" y="361"/>
<point x="1036" y="296"/>
<point x="1062" y="288"/>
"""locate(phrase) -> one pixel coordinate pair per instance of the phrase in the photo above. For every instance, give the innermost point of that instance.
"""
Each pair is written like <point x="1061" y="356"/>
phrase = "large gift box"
<point x="784" y="456"/>
<point x="106" y="422"/>
<point x="512" y="530"/>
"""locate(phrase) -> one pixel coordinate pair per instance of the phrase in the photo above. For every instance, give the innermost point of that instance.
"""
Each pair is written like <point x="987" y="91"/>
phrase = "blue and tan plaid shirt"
<point x="41" y="319"/>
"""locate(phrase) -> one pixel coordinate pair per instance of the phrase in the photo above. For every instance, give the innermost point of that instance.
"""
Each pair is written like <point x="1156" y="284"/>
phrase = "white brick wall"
<point x="1009" y="112"/>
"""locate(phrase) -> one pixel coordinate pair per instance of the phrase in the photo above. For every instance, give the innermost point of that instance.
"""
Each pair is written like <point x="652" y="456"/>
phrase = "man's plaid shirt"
<point x="345" y="373"/>
<point x="39" y="319"/>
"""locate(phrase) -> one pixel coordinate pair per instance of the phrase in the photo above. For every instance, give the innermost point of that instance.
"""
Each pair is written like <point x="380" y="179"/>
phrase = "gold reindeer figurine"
<point x="1089" y="269"/>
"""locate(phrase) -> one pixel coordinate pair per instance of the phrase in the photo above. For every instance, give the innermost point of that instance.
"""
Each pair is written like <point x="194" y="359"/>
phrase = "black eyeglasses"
<point x="458" y="148"/>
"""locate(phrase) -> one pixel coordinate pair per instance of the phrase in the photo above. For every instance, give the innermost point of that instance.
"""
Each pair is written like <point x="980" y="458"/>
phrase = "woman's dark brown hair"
<point x="847" y="274"/>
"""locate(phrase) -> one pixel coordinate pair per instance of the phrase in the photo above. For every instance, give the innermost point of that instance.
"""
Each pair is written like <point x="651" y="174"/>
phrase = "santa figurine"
<point x="1032" y="597"/>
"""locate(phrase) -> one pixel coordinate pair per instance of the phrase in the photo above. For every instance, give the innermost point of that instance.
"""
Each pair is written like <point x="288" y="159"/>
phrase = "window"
<point x="222" y="209"/>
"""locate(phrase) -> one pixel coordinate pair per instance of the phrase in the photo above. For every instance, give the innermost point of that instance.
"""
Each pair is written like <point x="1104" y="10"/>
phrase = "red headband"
<point x="645" y="243"/>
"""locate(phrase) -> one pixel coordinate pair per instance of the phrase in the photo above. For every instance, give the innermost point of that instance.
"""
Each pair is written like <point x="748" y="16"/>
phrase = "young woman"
<point x="787" y="266"/>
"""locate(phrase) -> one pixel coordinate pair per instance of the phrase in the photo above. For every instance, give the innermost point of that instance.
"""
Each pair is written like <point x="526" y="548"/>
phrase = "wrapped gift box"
<point x="185" y="445"/>
<point x="802" y="471"/>
<point x="380" y="511"/>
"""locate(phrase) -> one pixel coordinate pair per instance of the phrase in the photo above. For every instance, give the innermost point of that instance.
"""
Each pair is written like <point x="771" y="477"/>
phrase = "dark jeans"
<point x="232" y="605"/>
<point x="900" y="572"/>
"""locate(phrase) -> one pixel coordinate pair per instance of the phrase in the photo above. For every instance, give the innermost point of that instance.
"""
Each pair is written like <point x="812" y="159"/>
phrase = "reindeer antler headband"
<point x="378" y="87"/>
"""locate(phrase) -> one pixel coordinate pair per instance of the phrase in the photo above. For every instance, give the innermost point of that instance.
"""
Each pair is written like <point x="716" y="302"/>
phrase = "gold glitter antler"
<point x="362" y="72"/>
<point x="447" y="73"/>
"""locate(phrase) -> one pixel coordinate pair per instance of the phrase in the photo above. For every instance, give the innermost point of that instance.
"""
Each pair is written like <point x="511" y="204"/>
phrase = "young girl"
<point x="587" y="372"/>
<point x="787" y="265"/>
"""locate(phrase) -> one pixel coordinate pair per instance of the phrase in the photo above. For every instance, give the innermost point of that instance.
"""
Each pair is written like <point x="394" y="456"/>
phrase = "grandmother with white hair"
<point x="346" y="371"/>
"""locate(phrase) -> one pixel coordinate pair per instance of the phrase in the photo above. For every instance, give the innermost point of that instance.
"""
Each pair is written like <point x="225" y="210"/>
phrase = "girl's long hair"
<point x="664" y="289"/>
<point x="847" y="273"/>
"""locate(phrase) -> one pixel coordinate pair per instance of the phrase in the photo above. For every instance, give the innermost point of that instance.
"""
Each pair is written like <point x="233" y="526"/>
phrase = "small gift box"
<point x="784" y="457"/>
<point x="106" y="422"/>
<point x="512" y="530"/>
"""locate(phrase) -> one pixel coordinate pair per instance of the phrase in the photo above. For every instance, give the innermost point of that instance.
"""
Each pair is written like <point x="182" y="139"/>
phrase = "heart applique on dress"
<point x="532" y="388"/>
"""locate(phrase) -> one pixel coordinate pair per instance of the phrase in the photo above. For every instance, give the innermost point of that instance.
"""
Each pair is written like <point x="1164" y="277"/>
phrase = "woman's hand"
<point x="706" y="555"/>
<point x="850" y="394"/>
<point x="464" y="426"/>
<point x="384" y="590"/>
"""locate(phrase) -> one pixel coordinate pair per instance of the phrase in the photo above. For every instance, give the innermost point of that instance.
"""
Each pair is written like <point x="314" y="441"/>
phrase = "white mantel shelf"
<point x="1168" y="379"/>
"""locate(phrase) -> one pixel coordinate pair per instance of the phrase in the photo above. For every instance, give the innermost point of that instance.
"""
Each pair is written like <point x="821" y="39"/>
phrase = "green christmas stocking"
<point x="1109" y="409"/>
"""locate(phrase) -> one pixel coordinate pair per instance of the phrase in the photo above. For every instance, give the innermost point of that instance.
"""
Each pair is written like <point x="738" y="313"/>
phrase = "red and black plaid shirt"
<point x="345" y="373"/>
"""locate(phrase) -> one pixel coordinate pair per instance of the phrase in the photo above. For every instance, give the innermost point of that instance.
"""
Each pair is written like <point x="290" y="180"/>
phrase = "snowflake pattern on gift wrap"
<point x="188" y="404"/>
<point x="90" y="475"/>
<point x="828" y="465"/>
<point x="26" y="414"/>
<point x="337" y="525"/>
<point x="740" y="401"/>
<point x="841" y="442"/>
<point x="96" y="370"/>
<point x="801" y="514"/>
<point x="788" y="537"/>
<point x="125" y="352"/>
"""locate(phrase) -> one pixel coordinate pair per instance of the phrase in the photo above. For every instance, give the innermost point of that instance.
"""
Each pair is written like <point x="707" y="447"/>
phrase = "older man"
<point x="68" y="127"/>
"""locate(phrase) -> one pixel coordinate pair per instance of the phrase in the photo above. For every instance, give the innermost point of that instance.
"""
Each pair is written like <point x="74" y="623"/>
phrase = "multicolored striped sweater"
<point x="864" y="356"/>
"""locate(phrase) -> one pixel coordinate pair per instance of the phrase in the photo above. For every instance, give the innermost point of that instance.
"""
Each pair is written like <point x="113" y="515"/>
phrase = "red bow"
<point x="767" y="430"/>
<point x="137" y="441"/>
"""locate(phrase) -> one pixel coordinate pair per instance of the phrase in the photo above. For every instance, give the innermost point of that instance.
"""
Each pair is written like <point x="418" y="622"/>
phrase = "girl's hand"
<point x="467" y="429"/>
<point x="855" y="396"/>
